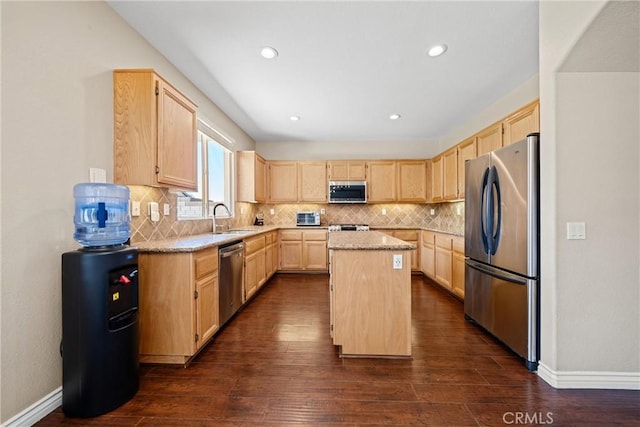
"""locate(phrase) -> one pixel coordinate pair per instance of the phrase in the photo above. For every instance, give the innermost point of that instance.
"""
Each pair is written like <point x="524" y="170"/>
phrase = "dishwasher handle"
<point x="227" y="252"/>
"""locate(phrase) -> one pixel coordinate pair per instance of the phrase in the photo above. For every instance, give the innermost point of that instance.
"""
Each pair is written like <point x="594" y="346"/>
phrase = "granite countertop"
<point x="366" y="240"/>
<point x="200" y="241"/>
<point x="408" y="227"/>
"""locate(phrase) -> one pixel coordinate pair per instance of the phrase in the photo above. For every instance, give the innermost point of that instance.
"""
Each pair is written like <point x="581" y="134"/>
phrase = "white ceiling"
<point x="345" y="66"/>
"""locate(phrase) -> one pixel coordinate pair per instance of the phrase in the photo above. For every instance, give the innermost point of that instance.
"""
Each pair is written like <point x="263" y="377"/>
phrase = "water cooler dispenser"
<point x="100" y="363"/>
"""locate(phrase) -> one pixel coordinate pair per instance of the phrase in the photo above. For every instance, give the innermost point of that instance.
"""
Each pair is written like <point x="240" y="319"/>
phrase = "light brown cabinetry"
<point x="381" y="181"/>
<point x="450" y="174"/>
<point x="412" y="181"/>
<point x="155" y="132"/>
<point x="283" y="181"/>
<point x="255" y="271"/>
<point x="370" y="303"/>
<point x="410" y="236"/>
<point x="271" y="253"/>
<point x="428" y="254"/>
<point x="292" y="182"/>
<point x="437" y="173"/>
<point x="303" y="250"/>
<point x="444" y="260"/>
<point x="252" y="177"/>
<point x="489" y="139"/>
<point x="312" y="182"/>
<point x="178" y="304"/>
<point x="521" y="123"/>
<point x="466" y="151"/>
<point x="347" y="170"/>
<point x="457" y="277"/>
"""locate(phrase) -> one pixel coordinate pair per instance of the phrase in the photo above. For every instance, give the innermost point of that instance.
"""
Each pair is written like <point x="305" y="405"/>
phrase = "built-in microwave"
<point x="308" y="218"/>
<point x="347" y="192"/>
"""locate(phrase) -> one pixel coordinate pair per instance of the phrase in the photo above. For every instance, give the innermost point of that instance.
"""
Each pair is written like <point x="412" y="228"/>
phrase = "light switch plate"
<point x="576" y="231"/>
<point x="135" y="208"/>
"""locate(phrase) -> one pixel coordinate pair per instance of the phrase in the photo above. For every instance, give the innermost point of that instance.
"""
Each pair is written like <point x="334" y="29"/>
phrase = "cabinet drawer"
<point x="206" y="262"/>
<point x="271" y="238"/>
<point x="407" y="235"/>
<point x="428" y="238"/>
<point x="315" y="235"/>
<point x="254" y="244"/>
<point x="443" y="241"/>
<point x="458" y="244"/>
<point x="291" y="235"/>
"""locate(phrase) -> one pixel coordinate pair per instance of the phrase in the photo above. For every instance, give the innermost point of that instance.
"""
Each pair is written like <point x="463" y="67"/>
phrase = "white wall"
<point x="57" y="62"/>
<point x="589" y="172"/>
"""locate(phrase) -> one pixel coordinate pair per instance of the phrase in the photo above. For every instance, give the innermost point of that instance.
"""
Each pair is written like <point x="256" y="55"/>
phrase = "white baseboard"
<point x="37" y="411"/>
<point x="596" y="380"/>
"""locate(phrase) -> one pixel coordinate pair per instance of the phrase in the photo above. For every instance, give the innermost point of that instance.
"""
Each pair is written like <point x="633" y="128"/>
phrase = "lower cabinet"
<point x="271" y="253"/>
<point x="178" y="304"/>
<point x="411" y="236"/>
<point x="255" y="271"/>
<point x="303" y="250"/>
<point x="442" y="259"/>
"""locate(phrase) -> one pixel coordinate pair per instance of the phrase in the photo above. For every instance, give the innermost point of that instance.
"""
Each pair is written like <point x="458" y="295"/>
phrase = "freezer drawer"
<point x="506" y="306"/>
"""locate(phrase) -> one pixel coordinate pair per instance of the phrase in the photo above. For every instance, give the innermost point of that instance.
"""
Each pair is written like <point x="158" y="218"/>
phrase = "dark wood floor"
<point x="275" y="365"/>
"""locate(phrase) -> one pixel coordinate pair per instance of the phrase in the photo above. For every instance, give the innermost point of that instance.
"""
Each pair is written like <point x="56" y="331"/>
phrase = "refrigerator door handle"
<point x="497" y="207"/>
<point x="501" y="274"/>
<point x="483" y="212"/>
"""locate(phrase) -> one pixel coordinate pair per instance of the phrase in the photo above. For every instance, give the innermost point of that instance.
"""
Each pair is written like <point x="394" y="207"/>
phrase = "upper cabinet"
<point x="466" y="151"/>
<point x="155" y="132"/>
<point x="489" y="139"/>
<point x="521" y="123"/>
<point x="412" y="181"/>
<point x="283" y="181"/>
<point x="252" y="177"/>
<point x="292" y="182"/>
<point x="437" y="171"/>
<point x="312" y="181"/>
<point x="450" y="174"/>
<point x="381" y="181"/>
<point x="347" y="170"/>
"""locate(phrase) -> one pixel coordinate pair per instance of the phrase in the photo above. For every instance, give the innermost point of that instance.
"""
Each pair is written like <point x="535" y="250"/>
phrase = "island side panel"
<point x="372" y="302"/>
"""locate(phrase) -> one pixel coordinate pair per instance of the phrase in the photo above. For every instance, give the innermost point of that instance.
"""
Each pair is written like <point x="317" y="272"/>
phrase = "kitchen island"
<point x="370" y="294"/>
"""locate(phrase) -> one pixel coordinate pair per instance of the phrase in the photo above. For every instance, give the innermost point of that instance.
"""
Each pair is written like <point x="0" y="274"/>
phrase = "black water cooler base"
<point x="100" y="363"/>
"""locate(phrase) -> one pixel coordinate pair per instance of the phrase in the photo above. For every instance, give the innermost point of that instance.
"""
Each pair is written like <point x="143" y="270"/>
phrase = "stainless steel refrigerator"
<point x="502" y="246"/>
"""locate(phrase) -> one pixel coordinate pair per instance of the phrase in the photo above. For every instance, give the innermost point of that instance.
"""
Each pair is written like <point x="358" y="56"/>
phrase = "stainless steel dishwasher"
<point x="231" y="261"/>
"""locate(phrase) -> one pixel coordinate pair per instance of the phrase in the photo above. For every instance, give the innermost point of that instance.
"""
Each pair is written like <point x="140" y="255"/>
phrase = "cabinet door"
<point x="412" y="181"/>
<point x="522" y="123"/>
<point x="444" y="260"/>
<point x="347" y="170"/>
<point x="207" y="308"/>
<point x="381" y="181"/>
<point x="312" y="182"/>
<point x="315" y="255"/>
<point x="466" y="151"/>
<point x="437" y="170"/>
<point x="489" y="139"/>
<point x="283" y="182"/>
<point x="261" y="267"/>
<point x="450" y="174"/>
<point x="251" y="177"/>
<point x="291" y="255"/>
<point x="177" y="136"/>
<point x="457" y="280"/>
<point x="251" y="274"/>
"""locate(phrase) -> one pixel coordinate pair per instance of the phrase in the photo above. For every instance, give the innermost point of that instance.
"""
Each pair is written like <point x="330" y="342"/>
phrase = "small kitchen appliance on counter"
<point x="308" y="218"/>
<point x="100" y="363"/>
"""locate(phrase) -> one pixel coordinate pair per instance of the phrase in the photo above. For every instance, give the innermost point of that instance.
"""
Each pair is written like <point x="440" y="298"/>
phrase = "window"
<point x="215" y="172"/>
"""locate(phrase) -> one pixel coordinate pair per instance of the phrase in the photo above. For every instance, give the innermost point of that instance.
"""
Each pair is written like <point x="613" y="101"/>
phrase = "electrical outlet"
<point x="166" y="209"/>
<point x="135" y="208"/>
<point x="272" y="211"/>
<point x="432" y="212"/>
<point x="322" y="211"/>
<point x="384" y="211"/>
<point x="397" y="261"/>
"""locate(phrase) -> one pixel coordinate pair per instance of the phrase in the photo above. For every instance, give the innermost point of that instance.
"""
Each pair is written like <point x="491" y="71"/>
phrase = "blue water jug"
<point x="101" y="215"/>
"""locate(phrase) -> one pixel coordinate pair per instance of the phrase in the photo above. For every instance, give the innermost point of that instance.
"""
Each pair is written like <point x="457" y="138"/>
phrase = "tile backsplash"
<point x="447" y="217"/>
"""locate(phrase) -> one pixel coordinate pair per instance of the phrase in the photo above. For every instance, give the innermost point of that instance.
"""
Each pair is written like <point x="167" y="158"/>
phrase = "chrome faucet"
<point x="213" y="217"/>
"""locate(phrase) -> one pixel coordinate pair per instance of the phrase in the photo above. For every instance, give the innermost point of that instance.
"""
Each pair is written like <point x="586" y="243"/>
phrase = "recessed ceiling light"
<point x="437" y="50"/>
<point x="294" y="118"/>
<point x="268" y="52"/>
<point x="394" y="117"/>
